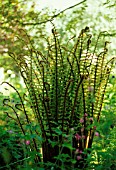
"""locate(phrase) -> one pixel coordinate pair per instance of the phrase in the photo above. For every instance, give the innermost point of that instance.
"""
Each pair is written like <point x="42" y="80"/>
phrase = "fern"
<point x="63" y="85"/>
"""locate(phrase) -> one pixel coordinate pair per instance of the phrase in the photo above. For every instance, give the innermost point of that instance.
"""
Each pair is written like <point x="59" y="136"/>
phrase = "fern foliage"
<point x="66" y="83"/>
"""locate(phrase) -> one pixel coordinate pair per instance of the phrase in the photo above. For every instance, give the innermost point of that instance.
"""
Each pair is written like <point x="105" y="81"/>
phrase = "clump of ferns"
<point x="66" y="85"/>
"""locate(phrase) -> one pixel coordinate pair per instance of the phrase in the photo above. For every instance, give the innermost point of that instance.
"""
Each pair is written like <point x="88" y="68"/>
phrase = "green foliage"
<point x="13" y="18"/>
<point x="57" y="120"/>
<point x="65" y="91"/>
<point x="104" y="147"/>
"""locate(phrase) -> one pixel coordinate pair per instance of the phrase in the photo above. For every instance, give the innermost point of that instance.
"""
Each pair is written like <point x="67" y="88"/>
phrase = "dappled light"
<point x="57" y="86"/>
